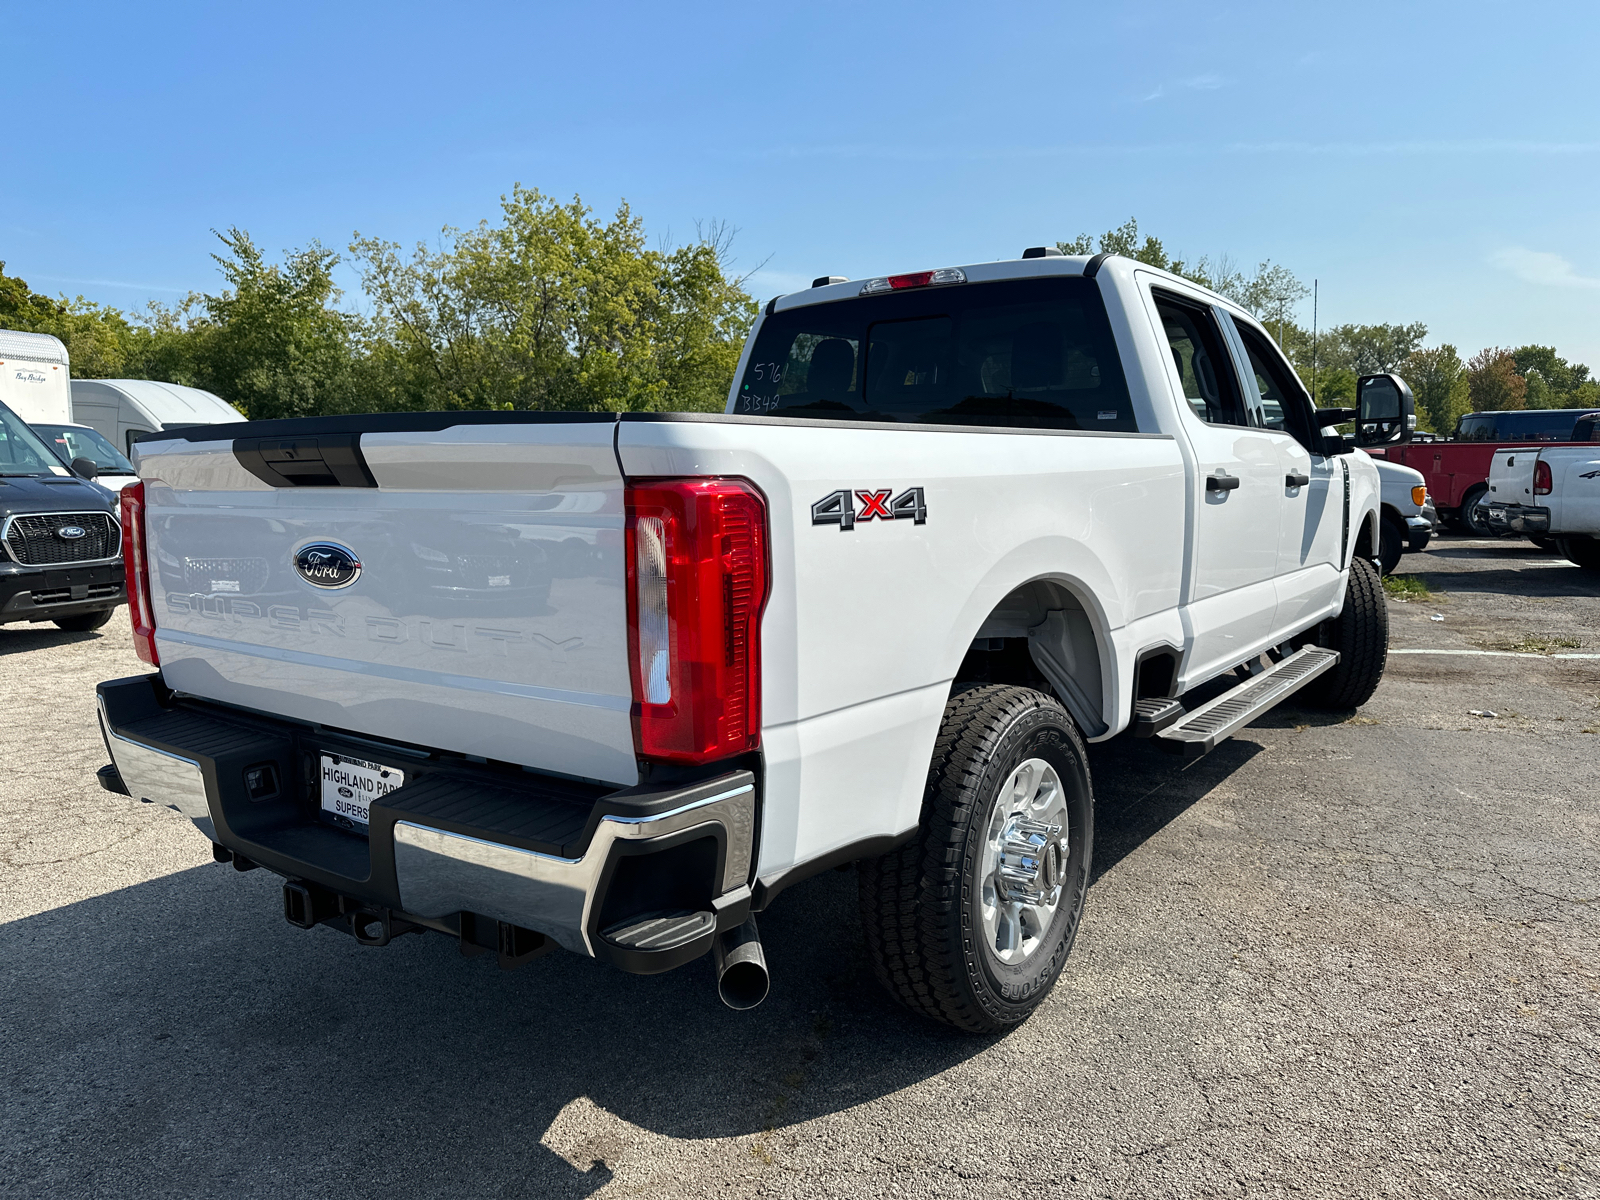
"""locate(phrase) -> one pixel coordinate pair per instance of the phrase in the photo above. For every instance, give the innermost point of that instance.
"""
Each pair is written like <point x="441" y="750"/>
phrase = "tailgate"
<point x="486" y="614"/>
<point x="1511" y="475"/>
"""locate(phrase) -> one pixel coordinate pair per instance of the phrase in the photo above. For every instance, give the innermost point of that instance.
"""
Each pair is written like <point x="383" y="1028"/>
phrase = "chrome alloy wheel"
<point x="1024" y="860"/>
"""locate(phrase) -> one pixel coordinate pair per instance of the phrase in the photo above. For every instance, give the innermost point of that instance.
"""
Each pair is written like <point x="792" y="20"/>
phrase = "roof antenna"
<point x="1313" y="343"/>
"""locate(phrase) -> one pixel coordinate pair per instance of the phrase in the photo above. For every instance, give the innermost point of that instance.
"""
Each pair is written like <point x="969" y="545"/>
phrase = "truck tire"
<point x="1470" y="521"/>
<point x="84" y="622"/>
<point x="1392" y="536"/>
<point x="1360" y="633"/>
<point x="1585" y="551"/>
<point x="949" y="935"/>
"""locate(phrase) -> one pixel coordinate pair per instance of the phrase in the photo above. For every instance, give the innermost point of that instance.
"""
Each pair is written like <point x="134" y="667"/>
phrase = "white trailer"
<point x="122" y="409"/>
<point x="34" y="376"/>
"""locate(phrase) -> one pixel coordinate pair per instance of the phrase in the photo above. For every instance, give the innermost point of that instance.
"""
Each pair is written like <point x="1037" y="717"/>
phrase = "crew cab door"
<point x="1238" y="497"/>
<point x="1312" y="516"/>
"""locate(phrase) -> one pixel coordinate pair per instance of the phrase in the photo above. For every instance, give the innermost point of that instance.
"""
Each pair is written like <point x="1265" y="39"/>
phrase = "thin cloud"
<point x="1465" y="148"/>
<point x="115" y="283"/>
<point x="1208" y="82"/>
<point x="1541" y="267"/>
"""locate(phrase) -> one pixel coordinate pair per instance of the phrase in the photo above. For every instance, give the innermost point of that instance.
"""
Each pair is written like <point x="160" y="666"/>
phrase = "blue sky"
<point x="1433" y="162"/>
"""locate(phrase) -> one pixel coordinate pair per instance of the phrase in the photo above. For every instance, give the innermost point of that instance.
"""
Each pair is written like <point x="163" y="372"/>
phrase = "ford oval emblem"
<point x="72" y="532"/>
<point x="327" y="565"/>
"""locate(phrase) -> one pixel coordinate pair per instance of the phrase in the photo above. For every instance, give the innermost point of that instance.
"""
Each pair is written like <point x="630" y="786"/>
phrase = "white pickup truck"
<point x="613" y="683"/>
<point x="1551" y="493"/>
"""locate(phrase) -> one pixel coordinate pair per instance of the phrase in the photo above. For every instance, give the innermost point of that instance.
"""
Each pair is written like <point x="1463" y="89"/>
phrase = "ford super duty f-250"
<point x="612" y="683"/>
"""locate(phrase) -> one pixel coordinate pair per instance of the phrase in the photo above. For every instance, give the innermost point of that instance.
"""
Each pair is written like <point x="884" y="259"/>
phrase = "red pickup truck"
<point x="1457" y="471"/>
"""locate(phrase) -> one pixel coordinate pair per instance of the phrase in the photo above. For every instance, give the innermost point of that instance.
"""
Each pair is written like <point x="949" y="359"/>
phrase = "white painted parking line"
<point x="1496" y="653"/>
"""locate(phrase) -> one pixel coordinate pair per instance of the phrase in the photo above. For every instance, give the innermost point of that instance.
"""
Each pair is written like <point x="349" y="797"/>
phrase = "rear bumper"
<point x="1516" y="518"/>
<point x="581" y="864"/>
<point x="43" y="594"/>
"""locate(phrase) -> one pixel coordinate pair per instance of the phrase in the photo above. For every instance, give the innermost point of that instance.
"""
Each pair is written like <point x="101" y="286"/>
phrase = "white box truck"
<point x="122" y="409"/>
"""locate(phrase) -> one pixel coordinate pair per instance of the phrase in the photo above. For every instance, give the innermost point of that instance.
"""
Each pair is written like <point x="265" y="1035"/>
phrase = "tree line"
<point x="551" y="307"/>
<point x="1329" y="361"/>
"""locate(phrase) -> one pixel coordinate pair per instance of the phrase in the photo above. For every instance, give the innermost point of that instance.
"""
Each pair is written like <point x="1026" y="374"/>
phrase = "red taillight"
<point x="914" y="279"/>
<point x="1541" y="478"/>
<point x="136" y="566"/>
<point x="697" y="582"/>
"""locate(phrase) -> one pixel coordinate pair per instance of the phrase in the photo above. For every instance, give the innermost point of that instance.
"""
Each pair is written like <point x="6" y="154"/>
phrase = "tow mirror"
<point x="84" y="468"/>
<point x="1386" y="412"/>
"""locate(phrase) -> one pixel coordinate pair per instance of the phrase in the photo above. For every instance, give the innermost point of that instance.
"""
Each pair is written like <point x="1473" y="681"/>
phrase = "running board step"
<point x="1152" y="715"/>
<point x="1214" y="722"/>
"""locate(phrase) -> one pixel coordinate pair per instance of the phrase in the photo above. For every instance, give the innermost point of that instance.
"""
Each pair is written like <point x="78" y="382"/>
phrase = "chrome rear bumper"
<point x="1516" y="518"/>
<point x="440" y="873"/>
<point x="571" y="861"/>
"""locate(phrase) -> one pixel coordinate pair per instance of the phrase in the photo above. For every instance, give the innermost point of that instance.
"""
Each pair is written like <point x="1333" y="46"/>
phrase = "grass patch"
<point x="1534" y="643"/>
<point x="1405" y="588"/>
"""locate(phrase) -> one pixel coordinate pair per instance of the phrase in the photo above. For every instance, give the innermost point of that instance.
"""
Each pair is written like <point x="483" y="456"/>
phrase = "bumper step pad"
<point x="662" y="931"/>
<point x="1208" y="726"/>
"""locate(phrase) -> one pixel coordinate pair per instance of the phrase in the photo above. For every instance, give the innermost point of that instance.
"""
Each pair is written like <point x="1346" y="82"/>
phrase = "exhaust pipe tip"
<point x="742" y="979"/>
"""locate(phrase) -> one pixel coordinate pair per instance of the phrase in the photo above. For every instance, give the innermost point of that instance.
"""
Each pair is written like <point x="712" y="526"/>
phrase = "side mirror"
<point x="1386" y="412"/>
<point x="84" y="468"/>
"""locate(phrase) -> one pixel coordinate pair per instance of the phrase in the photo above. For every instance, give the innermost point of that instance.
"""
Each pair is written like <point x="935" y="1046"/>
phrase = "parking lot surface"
<point x="1342" y="955"/>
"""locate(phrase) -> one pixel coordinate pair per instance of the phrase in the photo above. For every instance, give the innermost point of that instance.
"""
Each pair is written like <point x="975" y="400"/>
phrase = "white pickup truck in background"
<point x="1550" y="492"/>
<point x="613" y="683"/>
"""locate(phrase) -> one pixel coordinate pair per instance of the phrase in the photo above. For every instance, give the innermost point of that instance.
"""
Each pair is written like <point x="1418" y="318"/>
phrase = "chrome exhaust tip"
<point x="742" y="980"/>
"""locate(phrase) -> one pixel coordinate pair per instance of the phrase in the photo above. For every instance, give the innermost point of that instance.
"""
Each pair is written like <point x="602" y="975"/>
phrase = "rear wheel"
<point x="971" y="921"/>
<point x="1360" y="633"/>
<point x="1470" y="521"/>
<point x="1391" y="543"/>
<point x="84" y="622"/>
<point x="1585" y="551"/>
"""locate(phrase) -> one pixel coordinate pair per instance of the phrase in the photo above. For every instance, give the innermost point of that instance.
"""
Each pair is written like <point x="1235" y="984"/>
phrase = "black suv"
<point x="60" y="543"/>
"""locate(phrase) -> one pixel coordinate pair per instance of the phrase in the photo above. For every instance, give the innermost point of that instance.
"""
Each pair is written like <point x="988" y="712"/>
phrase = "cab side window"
<point x="1201" y="357"/>
<point x="1283" y="402"/>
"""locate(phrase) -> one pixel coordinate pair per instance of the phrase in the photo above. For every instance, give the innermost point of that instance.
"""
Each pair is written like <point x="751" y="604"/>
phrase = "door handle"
<point x="1221" y="482"/>
<point x="1295" y="480"/>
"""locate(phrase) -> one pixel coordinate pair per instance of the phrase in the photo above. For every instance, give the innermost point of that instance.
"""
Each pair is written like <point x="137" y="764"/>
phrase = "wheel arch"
<point x="1049" y="628"/>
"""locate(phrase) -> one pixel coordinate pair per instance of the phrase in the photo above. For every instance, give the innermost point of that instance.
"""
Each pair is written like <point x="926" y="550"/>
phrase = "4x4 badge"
<point x="839" y="508"/>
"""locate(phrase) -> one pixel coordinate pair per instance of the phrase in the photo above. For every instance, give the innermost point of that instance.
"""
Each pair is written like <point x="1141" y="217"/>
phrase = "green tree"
<point x="1493" y="381"/>
<point x="272" y="342"/>
<point x="100" y="340"/>
<point x="1559" y="376"/>
<point x="1271" y="293"/>
<point x="555" y="309"/>
<point x="1438" y="379"/>
<point x="1370" y="349"/>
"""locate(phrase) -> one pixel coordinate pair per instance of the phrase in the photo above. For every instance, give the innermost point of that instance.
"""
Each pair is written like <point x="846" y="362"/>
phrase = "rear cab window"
<point x="1021" y="353"/>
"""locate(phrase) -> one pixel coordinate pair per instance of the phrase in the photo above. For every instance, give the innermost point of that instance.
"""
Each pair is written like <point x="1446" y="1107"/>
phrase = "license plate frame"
<point x="347" y="787"/>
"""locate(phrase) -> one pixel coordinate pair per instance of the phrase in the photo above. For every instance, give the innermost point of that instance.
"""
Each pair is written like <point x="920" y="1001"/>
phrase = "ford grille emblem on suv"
<point x="72" y="532"/>
<point x="326" y="565"/>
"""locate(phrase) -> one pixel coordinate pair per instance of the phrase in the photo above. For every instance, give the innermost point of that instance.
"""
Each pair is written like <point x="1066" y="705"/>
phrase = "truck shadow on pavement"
<point x="19" y="639"/>
<point x="178" y="1037"/>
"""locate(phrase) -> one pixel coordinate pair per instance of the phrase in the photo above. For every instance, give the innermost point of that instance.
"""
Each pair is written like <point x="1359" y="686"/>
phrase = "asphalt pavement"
<point x="1344" y="955"/>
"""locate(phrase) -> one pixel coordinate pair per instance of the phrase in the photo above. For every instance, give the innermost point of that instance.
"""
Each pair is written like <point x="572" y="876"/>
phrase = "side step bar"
<point x="1214" y="722"/>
